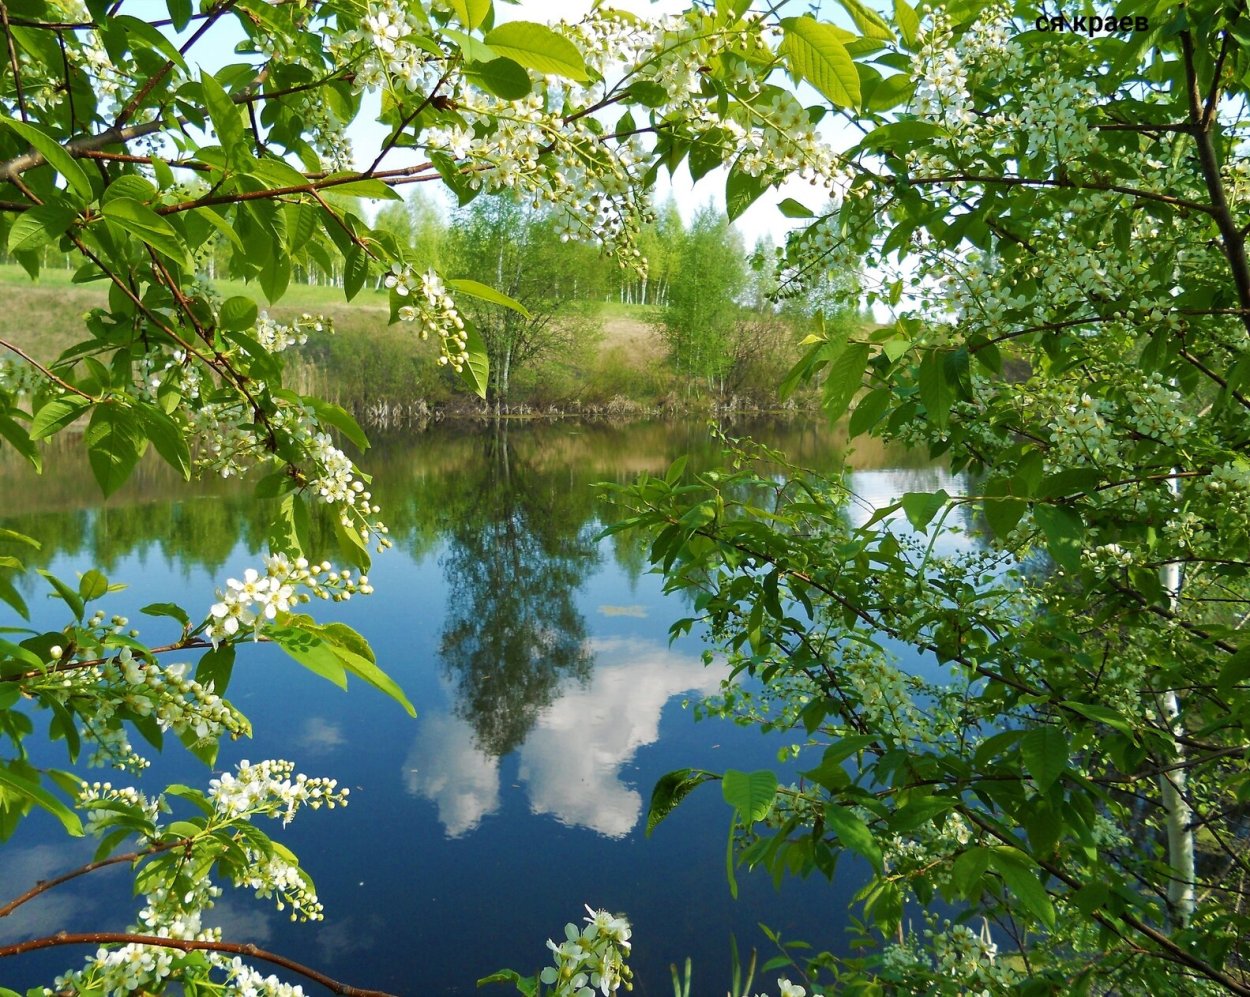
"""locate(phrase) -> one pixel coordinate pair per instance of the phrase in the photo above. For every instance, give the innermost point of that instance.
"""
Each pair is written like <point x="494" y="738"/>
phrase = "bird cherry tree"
<point x="129" y="145"/>
<point x="1054" y="204"/>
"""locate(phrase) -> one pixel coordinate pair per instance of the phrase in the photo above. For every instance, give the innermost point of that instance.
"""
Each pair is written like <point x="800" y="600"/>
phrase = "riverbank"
<point x="389" y="378"/>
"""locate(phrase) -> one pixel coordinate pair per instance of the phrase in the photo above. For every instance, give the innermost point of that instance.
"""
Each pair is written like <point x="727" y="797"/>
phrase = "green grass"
<point x="367" y="359"/>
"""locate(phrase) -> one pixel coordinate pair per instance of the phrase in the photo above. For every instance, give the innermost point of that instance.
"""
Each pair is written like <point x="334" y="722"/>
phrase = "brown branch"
<point x="46" y="884"/>
<point x="45" y="371"/>
<point x="187" y="945"/>
<point x="1195" y="362"/>
<point x="137" y="100"/>
<point x="1167" y="948"/>
<point x="389" y="144"/>
<point x="17" y="71"/>
<point x="1208" y="158"/>
<point x="1128" y="126"/>
<point x="1148" y="195"/>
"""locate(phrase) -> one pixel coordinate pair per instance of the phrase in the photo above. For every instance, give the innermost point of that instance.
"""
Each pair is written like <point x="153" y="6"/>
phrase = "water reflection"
<point x="518" y="549"/>
<point x="572" y="761"/>
<point x="446" y="766"/>
<point x="545" y="695"/>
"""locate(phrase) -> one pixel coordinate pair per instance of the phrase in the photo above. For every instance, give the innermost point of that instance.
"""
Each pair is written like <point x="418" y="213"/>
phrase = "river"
<point x="549" y="702"/>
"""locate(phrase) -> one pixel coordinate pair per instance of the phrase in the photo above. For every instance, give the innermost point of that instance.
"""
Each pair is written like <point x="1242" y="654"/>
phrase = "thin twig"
<point x="45" y="371"/>
<point x="17" y="70"/>
<point x="44" y="885"/>
<point x="186" y="945"/>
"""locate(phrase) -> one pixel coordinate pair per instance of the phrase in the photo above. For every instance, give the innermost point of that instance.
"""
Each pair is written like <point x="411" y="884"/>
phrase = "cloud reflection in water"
<point x="572" y="758"/>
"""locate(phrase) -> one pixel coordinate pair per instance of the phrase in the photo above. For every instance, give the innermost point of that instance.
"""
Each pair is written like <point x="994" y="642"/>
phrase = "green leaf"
<point x="355" y="270"/>
<point x="1020" y="875"/>
<point x="58" y="157"/>
<point x="907" y="21"/>
<point x="167" y="609"/>
<point x="227" y="121"/>
<point x="527" y="986"/>
<point x="146" y="225"/>
<point x="470" y="13"/>
<point x="37" y="227"/>
<point x="374" y="190"/>
<point x="19" y="439"/>
<point x="868" y="21"/>
<point x="844" y="379"/>
<point x="790" y="208"/>
<point x="750" y="793"/>
<point x="741" y="191"/>
<point x="180" y="12"/>
<point x="1064" y="532"/>
<point x="275" y="275"/>
<point x="1003" y="514"/>
<point x="151" y="37"/>
<point x="937" y="393"/>
<point x="967" y="871"/>
<point x="36" y="794"/>
<point x="816" y="52"/>
<point x="487" y="293"/>
<point x="891" y="91"/>
<point x="869" y="411"/>
<point x="215" y="668"/>
<point x="853" y="833"/>
<point x="349" y="647"/>
<point x="335" y="415"/>
<point x="92" y="585"/>
<point x="537" y="47"/>
<point x="310" y="649"/>
<point x="115" y="441"/>
<point x="670" y="790"/>
<point x="477" y="368"/>
<point x="168" y="437"/>
<point x="237" y="314"/>
<point x="502" y="77"/>
<point x="921" y="507"/>
<point x="129" y="185"/>
<point x="1045" y="754"/>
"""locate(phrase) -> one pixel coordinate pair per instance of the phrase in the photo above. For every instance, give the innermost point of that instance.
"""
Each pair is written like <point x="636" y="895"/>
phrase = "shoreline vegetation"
<point x="701" y="340"/>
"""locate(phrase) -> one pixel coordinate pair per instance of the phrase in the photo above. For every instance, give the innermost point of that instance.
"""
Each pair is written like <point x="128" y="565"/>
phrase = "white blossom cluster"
<point x="929" y="843"/>
<point x="385" y="51"/>
<point x="255" y="598"/>
<point x="119" y="972"/>
<point x="122" y="685"/>
<point x="277" y="336"/>
<point x="19" y="378"/>
<point x="1046" y="118"/>
<point x="274" y="876"/>
<point x="1082" y="433"/>
<point x="885" y="693"/>
<point x="102" y="799"/>
<point x="269" y="788"/>
<point x="1107" y="559"/>
<point x="433" y="310"/>
<point x="965" y="957"/>
<point x="228" y="442"/>
<point x="592" y="959"/>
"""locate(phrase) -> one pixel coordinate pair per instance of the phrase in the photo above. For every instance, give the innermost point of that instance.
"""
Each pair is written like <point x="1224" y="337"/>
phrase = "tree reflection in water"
<point x="519" y="545"/>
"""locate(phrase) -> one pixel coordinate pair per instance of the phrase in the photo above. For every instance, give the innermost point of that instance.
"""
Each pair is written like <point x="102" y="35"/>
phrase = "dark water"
<point x="549" y="701"/>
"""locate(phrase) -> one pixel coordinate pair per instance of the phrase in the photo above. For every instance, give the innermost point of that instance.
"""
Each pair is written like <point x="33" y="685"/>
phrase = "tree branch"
<point x="186" y="945"/>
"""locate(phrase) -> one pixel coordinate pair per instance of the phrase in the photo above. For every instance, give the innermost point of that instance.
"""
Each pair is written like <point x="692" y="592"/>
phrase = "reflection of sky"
<point x="62" y="908"/>
<point x="572" y="759"/>
<point x="446" y="766"/>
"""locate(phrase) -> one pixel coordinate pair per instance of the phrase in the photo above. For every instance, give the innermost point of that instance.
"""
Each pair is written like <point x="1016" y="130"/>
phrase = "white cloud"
<point x="446" y="766"/>
<point x="571" y="761"/>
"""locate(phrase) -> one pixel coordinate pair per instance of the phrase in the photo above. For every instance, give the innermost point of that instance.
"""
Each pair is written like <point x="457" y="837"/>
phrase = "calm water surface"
<point x="549" y="702"/>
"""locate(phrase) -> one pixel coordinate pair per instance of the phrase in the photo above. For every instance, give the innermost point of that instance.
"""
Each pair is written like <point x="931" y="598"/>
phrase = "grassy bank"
<point x="368" y="365"/>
